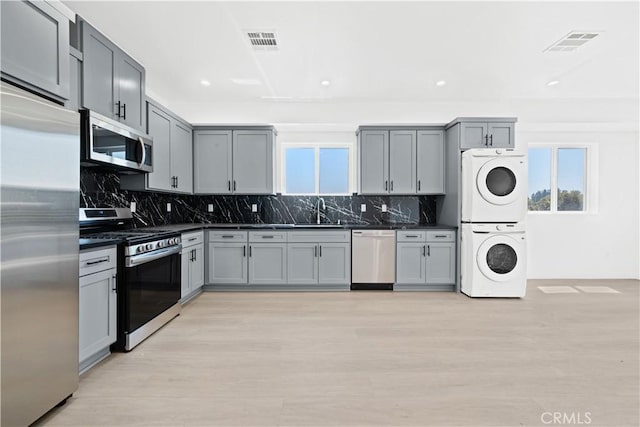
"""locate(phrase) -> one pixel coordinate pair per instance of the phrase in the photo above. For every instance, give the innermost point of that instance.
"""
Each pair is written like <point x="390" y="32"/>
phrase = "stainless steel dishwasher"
<point x="373" y="258"/>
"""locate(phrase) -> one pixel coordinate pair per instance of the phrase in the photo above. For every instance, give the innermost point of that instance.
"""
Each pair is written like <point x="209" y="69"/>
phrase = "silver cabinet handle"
<point x="144" y="152"/>
<point x="135" y="260"/>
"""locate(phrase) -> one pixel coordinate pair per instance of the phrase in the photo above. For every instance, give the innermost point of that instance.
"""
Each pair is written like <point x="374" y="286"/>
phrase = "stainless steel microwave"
<point x="109" y="143"/>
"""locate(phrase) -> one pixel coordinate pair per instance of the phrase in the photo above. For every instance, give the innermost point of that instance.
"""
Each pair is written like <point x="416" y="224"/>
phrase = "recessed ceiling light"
<point x="440" y="83"/>
<point x="325" y="83"/>
<point x="246" y="82"/>
<point x="205" y="82"/>
<point x="553" y="83"/>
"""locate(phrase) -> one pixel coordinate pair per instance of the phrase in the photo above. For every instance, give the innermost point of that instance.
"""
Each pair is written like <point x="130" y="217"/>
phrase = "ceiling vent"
<point x="263" y="40"/>
<point x="572" y="41"/>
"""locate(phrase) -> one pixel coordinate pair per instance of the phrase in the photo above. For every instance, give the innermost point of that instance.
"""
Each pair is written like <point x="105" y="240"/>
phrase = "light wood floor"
<point x="375" y="358"/>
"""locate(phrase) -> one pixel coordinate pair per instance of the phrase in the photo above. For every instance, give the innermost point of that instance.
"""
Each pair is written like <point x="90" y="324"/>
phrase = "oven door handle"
<point x="136" y="260"/>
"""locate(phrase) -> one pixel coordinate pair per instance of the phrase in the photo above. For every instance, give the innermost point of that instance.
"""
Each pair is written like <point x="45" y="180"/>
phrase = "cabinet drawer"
<point x="313" y="236"/>
<point x="192" y="238"/>
<point x="441" y="236"/>
<point x="267" y="236"/>
<point x="95" y="260"/>
<point x="411" y="236"/>
<point x="227" y="236"/>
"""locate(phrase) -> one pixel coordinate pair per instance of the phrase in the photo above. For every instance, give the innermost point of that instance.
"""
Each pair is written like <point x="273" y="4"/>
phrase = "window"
<point x="557" y="179"/>
<point x="316" y="169"/>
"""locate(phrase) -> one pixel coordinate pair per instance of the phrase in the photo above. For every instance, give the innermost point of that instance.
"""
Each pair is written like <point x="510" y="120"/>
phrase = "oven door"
<point x="151" y="286"/>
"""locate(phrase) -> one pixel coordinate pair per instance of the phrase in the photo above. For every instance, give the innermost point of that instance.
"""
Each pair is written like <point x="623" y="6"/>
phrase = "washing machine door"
<point x="502" y="181"/>
<point x="501" y="258"/>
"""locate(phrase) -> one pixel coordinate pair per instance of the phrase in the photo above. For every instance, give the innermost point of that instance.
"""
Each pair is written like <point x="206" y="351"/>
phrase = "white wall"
<point x="601" y="244"/>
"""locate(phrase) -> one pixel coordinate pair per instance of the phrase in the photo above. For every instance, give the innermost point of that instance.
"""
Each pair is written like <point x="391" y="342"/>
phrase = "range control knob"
<point x="160" y="244"/>
<point x="140" y="249"/>
<point x="170" y="241"/>
<point x="177" y="240"/>
<point x="148" y="246"/>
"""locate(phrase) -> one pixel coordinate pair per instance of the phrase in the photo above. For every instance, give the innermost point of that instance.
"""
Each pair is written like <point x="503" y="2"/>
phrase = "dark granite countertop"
<point x="192" y="227"/>
<point x="96" y="243"/>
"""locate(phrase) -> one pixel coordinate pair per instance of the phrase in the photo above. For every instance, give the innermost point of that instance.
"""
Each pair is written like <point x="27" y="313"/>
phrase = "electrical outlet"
<point x="132" y="206"/>
<point x="168" y="207"/>
<point x="363" y="207"/>
<point x="254" y="207"/>
<point x="210" y="207"/>
<point x="384" y="207"/>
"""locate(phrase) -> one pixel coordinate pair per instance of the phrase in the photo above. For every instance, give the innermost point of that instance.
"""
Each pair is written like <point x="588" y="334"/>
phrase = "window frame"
<point x="316" y="146"/>
<point x="589" y="197"/>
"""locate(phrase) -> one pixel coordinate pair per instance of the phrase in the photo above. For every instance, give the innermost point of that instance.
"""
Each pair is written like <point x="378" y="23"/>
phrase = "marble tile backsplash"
<point x="99" y="188"/>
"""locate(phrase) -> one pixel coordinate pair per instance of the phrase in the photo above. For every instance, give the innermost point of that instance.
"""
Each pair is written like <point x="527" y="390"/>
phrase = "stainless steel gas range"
<point x="149" y="267"/>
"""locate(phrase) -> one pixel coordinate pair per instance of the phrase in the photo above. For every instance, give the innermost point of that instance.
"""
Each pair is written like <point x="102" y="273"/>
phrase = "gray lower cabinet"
<point x="486" y="133"/>
<point x="227" y="257"/>
<point x="35" y="47"/>
<point x="234" y="161"/>
<point x="192" y="269"/>
<point x="97" y="305"/>
<point x="430" y="162"/>
<point x="334" y="263"/>
<point x="113" y="83"/>
<point x="172" y="155"/>
<point x="319" y="257"/>
<point x="267" y="263"/>
<point x="426" y="258"/>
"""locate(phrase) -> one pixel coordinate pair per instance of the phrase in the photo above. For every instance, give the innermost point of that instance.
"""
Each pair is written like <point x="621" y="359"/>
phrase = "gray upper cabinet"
<point x="212" y="153"/>
<point x="253" y="158"/>
<point x="238" y="161"/>
<point x="431" y="162"/>
<point x="172" y="155"/>
<point x="402" y="162"/>
<point x="373" y="146"/>
<point x="485" y="132"/>
<point x="113" y="82"/>
<point x="35" y="47"/>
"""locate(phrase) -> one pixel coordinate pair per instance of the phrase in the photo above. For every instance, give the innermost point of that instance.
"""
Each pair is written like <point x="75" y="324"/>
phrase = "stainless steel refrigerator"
<point x="39" y="198"/>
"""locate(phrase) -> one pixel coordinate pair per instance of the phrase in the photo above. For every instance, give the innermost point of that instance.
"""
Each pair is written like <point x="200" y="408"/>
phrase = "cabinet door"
<point x="252" y="162"/>
<point x="98" y="72"/>
<point x="97" y="310"/>
<point x="196" y="268"/>
<point x="334" y="263"/>
<point x="182" y="157"/>
<point x="228" y="263"/>
<point x="441" y="263"/>
<point x="430" y="162"/>
<point x="212" y="162"/>
<point x="501" y="135"/>
<point x="402" y="162"/>
<point x="302" y="263"/>
<point x="473" y="135"/>
<point x="374" y="162"/>
<point x="35" y="46"/>
<point x="267" y="263"/>
<point x="160" y="129"/>
<point x="130" y="84"/>
<point x="410" y="263"/>
<point x="185" y="267"/>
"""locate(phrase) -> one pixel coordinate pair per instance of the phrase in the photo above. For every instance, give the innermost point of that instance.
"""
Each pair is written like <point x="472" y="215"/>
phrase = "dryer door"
<point x="502" y="257"/>
<point x="502" y="181"/>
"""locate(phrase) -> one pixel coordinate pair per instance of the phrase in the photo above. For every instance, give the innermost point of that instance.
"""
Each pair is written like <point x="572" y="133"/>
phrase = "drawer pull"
<point x="267" y="237"/>
<point x="99" y="261"/>
<point x="414" y="236"/>
<point x="441" y="236"/>
<point x="227" y="236"/>
<point x="192" y="239"/>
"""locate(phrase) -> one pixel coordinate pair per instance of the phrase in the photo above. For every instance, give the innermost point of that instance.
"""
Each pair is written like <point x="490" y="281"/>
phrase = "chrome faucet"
<point x="320" y="199"/>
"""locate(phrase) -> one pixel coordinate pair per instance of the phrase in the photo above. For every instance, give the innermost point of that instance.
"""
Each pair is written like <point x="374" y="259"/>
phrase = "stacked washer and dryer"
<point x="493" y="209"/>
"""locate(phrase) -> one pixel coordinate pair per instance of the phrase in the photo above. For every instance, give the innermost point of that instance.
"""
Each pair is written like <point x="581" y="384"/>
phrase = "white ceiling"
<point x="382" y="58"/>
